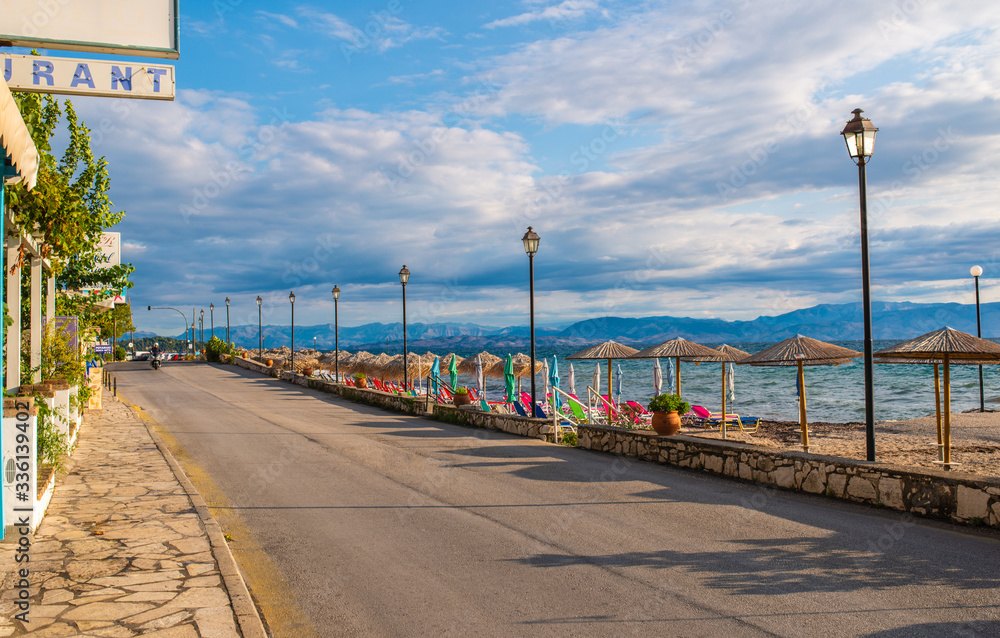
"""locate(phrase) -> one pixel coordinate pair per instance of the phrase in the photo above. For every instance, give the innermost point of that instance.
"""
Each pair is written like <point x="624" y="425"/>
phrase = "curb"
<point x="251" y="625"/>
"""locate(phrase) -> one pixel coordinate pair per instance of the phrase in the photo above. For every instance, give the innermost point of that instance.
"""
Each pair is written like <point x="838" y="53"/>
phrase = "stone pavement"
<point x="126" y="548"/>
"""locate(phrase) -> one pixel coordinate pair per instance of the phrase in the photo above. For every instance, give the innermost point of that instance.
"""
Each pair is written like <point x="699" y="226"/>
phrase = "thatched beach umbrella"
<point x="801" y="351"/>
<point x="468" y="366"/>
<point x="944" y="346"/>
<point x="678" y="349"/>
<point x="351" y="362"/>
<point x="608" y="350"/>
<point x="727" y="355"/>
<point x="376" y="366"/>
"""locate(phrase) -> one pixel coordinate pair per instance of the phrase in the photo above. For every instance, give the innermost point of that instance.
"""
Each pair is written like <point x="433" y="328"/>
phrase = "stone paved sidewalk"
<point x="126" y="548"/>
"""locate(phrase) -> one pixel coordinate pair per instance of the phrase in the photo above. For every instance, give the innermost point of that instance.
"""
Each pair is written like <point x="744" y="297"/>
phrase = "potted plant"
<point x="666" y="409"/>
<point x="360" y="380"/>
<point x="462" y="396"/>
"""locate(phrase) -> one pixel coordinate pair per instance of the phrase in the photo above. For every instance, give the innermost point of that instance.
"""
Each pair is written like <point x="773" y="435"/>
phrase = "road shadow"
<point x="969" y="629"/>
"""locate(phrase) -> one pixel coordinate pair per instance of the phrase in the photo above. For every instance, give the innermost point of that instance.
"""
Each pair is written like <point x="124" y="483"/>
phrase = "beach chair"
<point x="484" y="405"/>
<point x="540" y="413"/>
<point x="519" y="409"/>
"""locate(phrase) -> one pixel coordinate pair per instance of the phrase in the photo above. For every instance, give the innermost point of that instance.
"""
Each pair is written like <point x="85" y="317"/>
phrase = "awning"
<point x="16" y="141"/>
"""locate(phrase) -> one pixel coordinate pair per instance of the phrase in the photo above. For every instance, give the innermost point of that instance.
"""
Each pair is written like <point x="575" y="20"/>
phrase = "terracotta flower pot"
<point x="361" y="383"/>
<point x="462" y="399"/>
<point x="269" y="363"/>
<point x="666" y="423"/>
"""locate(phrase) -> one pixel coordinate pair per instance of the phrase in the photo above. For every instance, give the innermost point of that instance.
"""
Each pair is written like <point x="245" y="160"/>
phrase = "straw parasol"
<point x="944" y="346"/>
<point x="678" y="349"/>
<point x="608" y="350"/>
<point x="727" y="355"/>
<point x="376" y="366"/>
<point x="468" y="366"/>
<point x="521" y="363"/>
<point x="351" y="362"/>
<point x="801" y="351"/>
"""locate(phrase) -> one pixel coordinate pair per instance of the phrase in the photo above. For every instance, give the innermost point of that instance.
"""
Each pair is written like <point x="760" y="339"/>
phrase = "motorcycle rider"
<point x="154" y="355"/>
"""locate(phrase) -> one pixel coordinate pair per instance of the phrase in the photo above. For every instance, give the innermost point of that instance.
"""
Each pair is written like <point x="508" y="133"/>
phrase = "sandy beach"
<point x="975" y="440"/>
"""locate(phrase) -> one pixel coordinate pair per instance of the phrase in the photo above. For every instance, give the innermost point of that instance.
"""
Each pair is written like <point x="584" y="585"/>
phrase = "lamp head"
<point x="336" y="293"/>
<point x="227" y="302"/>
<point x="211" y="306"/>
<point x="530" y="241"/>
<point x="258" y="301"/>
<point x="976" y="271"/>
<point x="291" y="297"/>
<point x="859" y="134"/>
<point x="404" y="275"/>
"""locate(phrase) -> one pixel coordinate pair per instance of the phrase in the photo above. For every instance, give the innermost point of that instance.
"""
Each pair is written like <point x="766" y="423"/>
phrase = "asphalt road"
<point x="366" y="523"/>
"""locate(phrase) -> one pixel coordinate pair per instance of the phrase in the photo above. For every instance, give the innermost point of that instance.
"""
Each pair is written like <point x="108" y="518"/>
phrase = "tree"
<point x="69" y="205"/>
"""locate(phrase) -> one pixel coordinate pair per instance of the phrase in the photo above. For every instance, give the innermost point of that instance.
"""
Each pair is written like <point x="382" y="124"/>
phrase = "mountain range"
<point x="828" y="322"/>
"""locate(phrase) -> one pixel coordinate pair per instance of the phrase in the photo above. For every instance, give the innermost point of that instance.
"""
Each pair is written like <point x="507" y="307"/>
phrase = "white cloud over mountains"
<point x="677" y="159"/>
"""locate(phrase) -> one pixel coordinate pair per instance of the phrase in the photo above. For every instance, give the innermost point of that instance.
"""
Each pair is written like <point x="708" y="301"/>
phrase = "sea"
<point x="833" y="393"/>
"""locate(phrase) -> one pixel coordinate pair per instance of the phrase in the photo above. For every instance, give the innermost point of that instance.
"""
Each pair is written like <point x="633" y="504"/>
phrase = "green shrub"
<point x="668" y="403"/>
<point x="569" y="439"/>
<point x="215" y="347"/>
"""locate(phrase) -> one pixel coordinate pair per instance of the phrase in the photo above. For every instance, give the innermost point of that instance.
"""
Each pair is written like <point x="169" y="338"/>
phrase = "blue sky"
<point x="677" y="158"/>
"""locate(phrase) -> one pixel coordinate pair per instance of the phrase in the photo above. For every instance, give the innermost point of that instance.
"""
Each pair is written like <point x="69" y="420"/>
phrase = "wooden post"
<point x="677" y="370"/>
<point x="947" y="414"/>
<point x="723" y="399"/>
<point x="611" y="397"/>
<point x="802" y="409"/>
<point x="937" y="412"/>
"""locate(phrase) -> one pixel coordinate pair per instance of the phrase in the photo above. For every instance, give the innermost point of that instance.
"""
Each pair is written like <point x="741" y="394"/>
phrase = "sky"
<point x="676" y="158"/>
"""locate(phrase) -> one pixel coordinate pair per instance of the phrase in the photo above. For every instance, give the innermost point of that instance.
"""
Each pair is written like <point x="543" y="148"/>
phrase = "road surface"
<point x="352" y="521"/>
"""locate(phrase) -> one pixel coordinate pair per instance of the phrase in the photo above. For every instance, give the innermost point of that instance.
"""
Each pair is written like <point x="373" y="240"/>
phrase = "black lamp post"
<point x="530" y="241"/>
<point x="336" y="336"/>
<point x="201" y="326"/>
<point x="404" y="276"/>
<point x="211" y="317"/>
<point x="260" y="334"/>
<point x="976" y="271"/>
<point x="227" y="320"/>
<point x="860" y="137"/>
<point x="291" y="300"/>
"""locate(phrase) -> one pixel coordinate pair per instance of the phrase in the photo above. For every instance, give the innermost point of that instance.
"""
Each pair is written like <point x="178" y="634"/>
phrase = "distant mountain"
<point x="828" y="322"/>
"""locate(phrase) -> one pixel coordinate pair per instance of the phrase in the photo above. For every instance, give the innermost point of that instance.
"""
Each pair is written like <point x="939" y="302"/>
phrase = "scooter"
<point x="155" y="363"/>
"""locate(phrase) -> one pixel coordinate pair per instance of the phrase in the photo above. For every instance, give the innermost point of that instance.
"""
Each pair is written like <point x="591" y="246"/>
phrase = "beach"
<point x="975" y="440"/>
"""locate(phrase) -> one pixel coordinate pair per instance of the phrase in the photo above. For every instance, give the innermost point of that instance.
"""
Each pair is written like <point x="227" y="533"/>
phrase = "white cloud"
<point x="566" y="10"/>
<point x="380" y="33"/>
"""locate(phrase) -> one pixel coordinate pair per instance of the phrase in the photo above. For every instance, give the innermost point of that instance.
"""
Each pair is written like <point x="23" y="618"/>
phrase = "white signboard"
<point x="110" y="246"/>
<point x="147" y="28"/>
<point x="73" y="76"/>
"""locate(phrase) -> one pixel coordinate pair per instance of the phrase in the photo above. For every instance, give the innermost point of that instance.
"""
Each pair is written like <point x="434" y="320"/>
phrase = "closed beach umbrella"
<point x="657" y="377"/>
<point x="453" y="371"/>
<point x="435" y="374"/>
<point x="731" y="385"/>
<point x="595" y="381"/>
<point x="508" y="378"/>
<point x="670" y="373"/>
<point x="618" y="385"/>
<point x="944" y="346"/>
<point x="802" y="351"/>
<point x="545" y="379"/>
<point x="554" y="379"/>
<point x="480" y="377"/>
<point x="608" y="350"/>
<point x="571" y="380"/>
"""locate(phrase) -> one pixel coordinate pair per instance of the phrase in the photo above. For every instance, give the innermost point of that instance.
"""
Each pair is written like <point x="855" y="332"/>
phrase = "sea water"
<point x="833" y="393"/>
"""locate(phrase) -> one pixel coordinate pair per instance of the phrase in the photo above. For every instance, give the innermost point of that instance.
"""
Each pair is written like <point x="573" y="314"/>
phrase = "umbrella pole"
<point x="947" y="413"/>
<point x="611" y="397"/>
<point x="723" y="399"/>
<point x="937" y="412"/>
<point x="677" y="369"/>
<point x="802" y="409"/>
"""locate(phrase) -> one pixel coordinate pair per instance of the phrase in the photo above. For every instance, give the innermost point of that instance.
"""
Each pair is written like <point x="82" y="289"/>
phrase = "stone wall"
<point x="952" y="496"/>
<point x="510" y="423"/>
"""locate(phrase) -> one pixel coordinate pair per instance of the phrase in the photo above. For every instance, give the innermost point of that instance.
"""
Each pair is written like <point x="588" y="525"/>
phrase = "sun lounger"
<point x="519" y="408"/>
